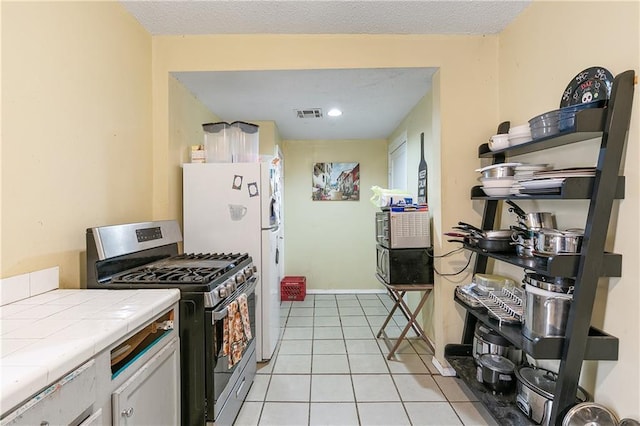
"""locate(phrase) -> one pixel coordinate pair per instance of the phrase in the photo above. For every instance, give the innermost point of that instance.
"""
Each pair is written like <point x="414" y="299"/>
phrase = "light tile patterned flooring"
<point x="329" y="369"/>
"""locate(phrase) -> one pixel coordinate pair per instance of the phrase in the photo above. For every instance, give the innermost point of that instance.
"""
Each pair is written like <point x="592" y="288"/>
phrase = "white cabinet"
<point x="68" y="401"/>
<point x="151" y="396"/>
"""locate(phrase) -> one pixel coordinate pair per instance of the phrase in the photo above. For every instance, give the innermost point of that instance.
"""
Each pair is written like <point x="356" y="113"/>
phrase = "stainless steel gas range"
<point x="146" y="255"/>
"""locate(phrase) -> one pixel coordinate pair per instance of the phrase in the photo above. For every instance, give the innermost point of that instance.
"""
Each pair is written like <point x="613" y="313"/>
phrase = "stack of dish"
<point x="546" y="124"/>
<point x="498" y="179"/>
<point x="519" y="134"/>
<point x="498" y="187"/>
<point x="525" y="172"/>
<point x="497" y="142"/>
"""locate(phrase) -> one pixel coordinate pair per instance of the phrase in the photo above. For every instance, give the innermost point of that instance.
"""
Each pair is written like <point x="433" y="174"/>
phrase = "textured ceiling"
<point x="179" y="17"/>
<point x="374" y="101"/>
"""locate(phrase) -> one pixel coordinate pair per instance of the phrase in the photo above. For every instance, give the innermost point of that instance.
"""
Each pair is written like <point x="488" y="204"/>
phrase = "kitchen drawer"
<point x="69" y="401"/>
<point x="93" y="420"/>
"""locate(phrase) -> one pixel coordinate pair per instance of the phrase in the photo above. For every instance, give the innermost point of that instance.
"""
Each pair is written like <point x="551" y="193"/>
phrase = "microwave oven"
<point x="397" y="230"/>
<point x="404" y="266"/>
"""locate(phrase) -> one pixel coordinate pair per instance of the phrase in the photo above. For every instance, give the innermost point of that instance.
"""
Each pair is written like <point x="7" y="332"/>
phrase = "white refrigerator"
<point x="235" y="207"/>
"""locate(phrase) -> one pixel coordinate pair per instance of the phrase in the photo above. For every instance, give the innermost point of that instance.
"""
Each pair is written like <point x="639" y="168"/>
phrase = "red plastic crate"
<point x="293" y="288"/>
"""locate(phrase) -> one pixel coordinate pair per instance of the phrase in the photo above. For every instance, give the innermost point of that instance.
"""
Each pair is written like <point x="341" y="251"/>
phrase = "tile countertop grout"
<point x="45" y="336"/>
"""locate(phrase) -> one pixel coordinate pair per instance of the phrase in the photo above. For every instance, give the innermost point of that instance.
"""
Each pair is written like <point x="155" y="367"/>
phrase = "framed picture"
<point x="335" y="182"/>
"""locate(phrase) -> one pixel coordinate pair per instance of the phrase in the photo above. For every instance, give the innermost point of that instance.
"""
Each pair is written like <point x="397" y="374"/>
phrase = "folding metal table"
<point x="397" y="292"/>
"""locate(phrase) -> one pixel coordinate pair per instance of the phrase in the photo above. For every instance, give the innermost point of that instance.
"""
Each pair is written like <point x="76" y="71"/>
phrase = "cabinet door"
<point x="152" y="395"/>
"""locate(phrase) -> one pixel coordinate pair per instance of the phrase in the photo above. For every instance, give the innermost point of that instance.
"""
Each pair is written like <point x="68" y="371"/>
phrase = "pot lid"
<point x="539" y="380"/>
<point x="589" y="413"/>
<point x="497" y="363"/>
<point x="489" y="335"/>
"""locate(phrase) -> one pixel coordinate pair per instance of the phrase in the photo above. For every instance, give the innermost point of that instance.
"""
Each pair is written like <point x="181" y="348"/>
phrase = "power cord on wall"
<point x="446" y="255"/>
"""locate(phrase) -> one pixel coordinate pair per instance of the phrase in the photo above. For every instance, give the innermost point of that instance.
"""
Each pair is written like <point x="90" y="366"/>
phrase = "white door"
<point x="398" y="163"/>
<point x="270" y="291"/>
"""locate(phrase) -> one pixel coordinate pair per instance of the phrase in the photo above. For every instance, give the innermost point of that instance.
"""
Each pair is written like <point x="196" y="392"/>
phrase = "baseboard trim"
<point x="337" y="291"/>
<point x="444" y="371"/>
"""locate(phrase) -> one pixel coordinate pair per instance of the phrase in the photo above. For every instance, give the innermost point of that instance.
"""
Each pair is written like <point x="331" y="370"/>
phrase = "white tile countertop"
<point x="45" y="336"/>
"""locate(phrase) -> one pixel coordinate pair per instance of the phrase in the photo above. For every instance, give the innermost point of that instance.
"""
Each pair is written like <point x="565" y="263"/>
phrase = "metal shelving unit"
<point x="581" y="342"/>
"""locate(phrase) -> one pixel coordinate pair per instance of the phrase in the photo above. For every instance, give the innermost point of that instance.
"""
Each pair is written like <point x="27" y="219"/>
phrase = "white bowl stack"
<point x="499" y="186"/>
<point x="520" y="134"/>
<point x="498" y="142"/>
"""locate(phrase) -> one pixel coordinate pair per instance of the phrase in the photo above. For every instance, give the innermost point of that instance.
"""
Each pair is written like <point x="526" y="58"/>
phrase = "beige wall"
<point x="332" y="243"/>
<point x="533" y="72"/>
<point x="466" y="88"/>
<point x="421" y="120"/>
<point x="78" y="81"/>
<point x="186" y="116"/>
<point x="76" y="130"/>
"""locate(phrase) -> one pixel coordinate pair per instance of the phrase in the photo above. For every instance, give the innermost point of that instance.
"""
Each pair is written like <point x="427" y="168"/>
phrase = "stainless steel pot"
<point x="538" y="220"/>
<point x="555" y="284"/>
<point x="545" y="312"/>
<point x="533" y="220"/>
<point x="535" y="389"/>
<point x="524" y="246"/>
<point x="488" y="341"/>
<point x="552" y="241"/>
<point x="497" y="372"/>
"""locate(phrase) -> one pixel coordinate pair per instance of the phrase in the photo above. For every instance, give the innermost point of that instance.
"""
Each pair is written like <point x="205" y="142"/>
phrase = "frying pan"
<point x="479" y="233"/>
<point x="488" y="245"/>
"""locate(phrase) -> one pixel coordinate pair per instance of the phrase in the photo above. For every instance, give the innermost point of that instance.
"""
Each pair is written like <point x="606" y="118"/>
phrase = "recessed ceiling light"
<point x="334" y="112"/>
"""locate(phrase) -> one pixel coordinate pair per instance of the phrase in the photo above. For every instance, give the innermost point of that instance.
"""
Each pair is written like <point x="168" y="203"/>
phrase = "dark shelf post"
<point x="589" y="270"/>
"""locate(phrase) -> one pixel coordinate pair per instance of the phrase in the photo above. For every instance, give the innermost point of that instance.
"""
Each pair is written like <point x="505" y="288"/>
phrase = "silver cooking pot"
<point x="552" y="241"/>
<point x="555" y="284"/>
<point x="488" y="341"/>
<point x="535" y="389"/>
<point x="545" y="312"/>
<point x="497" y="372"/>
<point x="532" y="220"/>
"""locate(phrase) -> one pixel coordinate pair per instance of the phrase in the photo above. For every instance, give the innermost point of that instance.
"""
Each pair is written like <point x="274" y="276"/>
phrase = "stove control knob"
<point x="230" y="286"/>
<point x="222" y="292"/>
<point x="239" y="278"/>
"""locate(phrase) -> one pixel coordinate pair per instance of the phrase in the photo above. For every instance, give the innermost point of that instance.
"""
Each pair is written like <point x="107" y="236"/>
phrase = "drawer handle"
<point x="128" y="412"/>
<point x="44" y="423"/>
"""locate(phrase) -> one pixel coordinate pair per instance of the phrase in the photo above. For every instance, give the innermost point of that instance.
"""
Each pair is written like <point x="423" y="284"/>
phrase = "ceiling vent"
<point x="309" y="113"/>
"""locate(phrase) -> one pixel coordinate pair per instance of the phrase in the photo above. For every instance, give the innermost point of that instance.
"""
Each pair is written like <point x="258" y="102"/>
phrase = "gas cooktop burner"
<point x="183" y="269"/>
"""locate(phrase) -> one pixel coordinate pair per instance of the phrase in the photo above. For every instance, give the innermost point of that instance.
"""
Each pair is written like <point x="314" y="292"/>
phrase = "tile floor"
<point x="329" y="369"/>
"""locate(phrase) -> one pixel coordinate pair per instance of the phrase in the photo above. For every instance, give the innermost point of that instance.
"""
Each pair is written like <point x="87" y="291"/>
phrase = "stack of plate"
<point x="525" y="172"/>
<point x="545" y="180"/>
<point x="519" y="134"/>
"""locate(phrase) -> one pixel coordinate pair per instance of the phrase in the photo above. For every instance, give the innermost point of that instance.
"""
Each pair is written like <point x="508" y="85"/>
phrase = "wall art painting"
<point x="336" y="182"/>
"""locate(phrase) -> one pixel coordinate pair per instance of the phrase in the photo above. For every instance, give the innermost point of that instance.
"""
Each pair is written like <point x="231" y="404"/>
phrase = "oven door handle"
<point x="222" y="313"/>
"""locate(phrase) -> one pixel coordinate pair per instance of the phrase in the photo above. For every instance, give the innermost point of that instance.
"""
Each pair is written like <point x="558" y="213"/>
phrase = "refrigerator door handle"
<point x="273" y="228"/>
